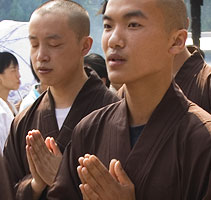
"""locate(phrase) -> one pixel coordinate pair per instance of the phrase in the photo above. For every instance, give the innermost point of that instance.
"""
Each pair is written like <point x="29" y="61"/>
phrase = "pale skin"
<point x="131" y="27"/>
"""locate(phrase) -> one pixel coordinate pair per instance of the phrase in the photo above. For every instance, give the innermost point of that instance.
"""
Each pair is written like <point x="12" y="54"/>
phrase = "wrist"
<point x="37" y="188"/>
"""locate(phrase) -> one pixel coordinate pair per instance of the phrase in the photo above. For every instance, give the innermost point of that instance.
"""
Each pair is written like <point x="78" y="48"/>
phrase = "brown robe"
<point x="41" y="115"/>
<point x="171" y="159"/>
<point x="5" y="187"/>
<point x="194" y="78"/>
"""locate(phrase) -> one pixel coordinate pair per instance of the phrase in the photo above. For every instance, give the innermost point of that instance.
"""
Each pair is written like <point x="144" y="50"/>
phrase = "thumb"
<point x="55" y="147"/>
<point x="111" y="168"/>
<point x="121" y="174"/>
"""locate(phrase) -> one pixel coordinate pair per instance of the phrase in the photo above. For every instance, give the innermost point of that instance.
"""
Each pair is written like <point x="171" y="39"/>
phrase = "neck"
<point x="4" y="93"/>
<point x="41" y="88"/>
<point x="143" y="97"/>
<point x="65" y="94"/>
<point x="179" y="60"/>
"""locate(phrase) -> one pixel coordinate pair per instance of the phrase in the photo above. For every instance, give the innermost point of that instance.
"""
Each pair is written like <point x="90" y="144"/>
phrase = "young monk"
<point x="155" y="143"/>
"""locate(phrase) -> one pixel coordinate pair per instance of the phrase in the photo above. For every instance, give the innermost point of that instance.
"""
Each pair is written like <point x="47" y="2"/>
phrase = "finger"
<point x="79" y="168"/>
<point x="55" y="147"/>
<point x="85" y="197"/>
<point x="90" y="193"/>
<point x="111" y="169"/>
<point x="93" y="183"/>
<point x="47" y="143"/>
<point x="38" y="143"/>
<point x="86" y="155"/>
<point x="121" y="174"/>
<point x="27" y="140"/>
<point x="80" y="160"/>
<point x="33" y="156"/>
<point x="98" y="171"/>
<point x="30" y="161"/>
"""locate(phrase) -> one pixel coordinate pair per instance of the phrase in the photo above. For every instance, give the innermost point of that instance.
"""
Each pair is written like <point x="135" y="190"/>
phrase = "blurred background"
<point x="15" y="14"/>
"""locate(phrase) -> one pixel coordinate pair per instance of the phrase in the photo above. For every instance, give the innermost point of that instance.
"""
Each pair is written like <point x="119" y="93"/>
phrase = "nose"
<point x="42" y="54"/>
<point x="116" y="39"/>
<point x="18" y="74"/>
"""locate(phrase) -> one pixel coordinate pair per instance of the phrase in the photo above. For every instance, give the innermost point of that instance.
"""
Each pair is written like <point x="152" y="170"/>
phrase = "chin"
<point x="116" y="79"/>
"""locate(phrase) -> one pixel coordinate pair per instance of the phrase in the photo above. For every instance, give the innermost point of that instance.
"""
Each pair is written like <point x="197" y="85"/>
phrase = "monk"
<point x="193" y="75"/>
<point x="155" y="143"/>
<point x="59" y="37"/>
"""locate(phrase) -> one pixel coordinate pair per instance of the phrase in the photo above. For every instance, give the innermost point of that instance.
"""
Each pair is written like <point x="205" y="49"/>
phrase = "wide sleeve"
<point x="66" y="185"/>
<point x="5" y="187"/>
<point x="16" y="162"/>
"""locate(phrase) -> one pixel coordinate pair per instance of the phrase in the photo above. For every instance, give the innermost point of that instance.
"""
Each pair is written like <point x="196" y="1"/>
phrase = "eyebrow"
<point x="31" y="37"/>
<point x="131" y="14"/>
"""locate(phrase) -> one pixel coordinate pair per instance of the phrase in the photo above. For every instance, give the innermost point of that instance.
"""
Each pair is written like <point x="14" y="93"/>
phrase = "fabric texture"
<point x="170" y="160"/>
<point x="41" y="115"/>
<point x="194" y="78"/>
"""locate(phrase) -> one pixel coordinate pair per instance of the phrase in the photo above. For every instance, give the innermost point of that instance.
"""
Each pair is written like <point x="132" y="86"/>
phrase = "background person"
<point x="9" y="80"/>
<point x="193" y="75"/>
<point x="97" y="62"/>
<point x="34" y="93"/>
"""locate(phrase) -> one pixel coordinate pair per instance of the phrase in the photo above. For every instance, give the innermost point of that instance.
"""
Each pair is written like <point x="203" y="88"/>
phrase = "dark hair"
<point x="97" y="62"/>
<point x="6" y="59"/>
<point x="103" y="7"/>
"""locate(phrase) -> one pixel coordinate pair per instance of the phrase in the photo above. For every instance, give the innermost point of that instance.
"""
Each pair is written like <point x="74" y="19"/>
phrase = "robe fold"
<point x="41" y="116"/>
<point x="171" y="160"/>
<point x="5" y="187"/>
<point x="194" y="78"/>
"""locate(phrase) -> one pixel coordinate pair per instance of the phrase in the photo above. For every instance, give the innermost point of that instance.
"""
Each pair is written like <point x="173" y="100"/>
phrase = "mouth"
<point x="115" y="59"/>
<point x="43" y="70"/>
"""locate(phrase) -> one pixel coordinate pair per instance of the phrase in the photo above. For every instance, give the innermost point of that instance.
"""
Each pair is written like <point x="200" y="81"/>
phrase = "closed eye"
<point x="34" y="45"/>
<point x="55" y="45"/>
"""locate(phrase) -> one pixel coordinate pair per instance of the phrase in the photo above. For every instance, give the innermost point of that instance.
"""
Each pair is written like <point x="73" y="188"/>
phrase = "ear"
<point x="177" y="42"/>
<point x="86" y="45"/>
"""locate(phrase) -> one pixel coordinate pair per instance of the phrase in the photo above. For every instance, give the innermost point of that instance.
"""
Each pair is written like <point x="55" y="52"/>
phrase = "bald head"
<point x="175" y="14"/>
<point x="78" y="18"/>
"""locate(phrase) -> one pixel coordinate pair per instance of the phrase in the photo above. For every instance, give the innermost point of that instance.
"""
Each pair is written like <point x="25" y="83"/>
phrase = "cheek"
<point x="104" y="41"/>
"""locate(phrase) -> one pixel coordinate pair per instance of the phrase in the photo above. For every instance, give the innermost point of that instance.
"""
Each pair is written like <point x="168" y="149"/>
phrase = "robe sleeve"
<point x="208" y="194"/>
<point x="66" y="185"/>
<point x="5" y="187"/>
<point x="16" y="170"/>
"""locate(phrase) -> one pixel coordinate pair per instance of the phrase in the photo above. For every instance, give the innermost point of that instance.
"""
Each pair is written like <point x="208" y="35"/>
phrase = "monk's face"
<point x="134" y="40"/>
<point x="55" y="49"/>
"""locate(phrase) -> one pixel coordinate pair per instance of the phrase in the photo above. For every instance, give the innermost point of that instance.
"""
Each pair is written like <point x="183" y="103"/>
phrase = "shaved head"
<point x="175" y="14"/>
<point x="78" y="17"/>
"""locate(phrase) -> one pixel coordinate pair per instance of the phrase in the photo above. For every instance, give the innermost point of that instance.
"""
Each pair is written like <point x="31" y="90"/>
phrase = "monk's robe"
<point x="5" y="187"/>
<point x="171" y="159"/>
<point x="41" y="116"/>
<point x="194" y="78"/>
